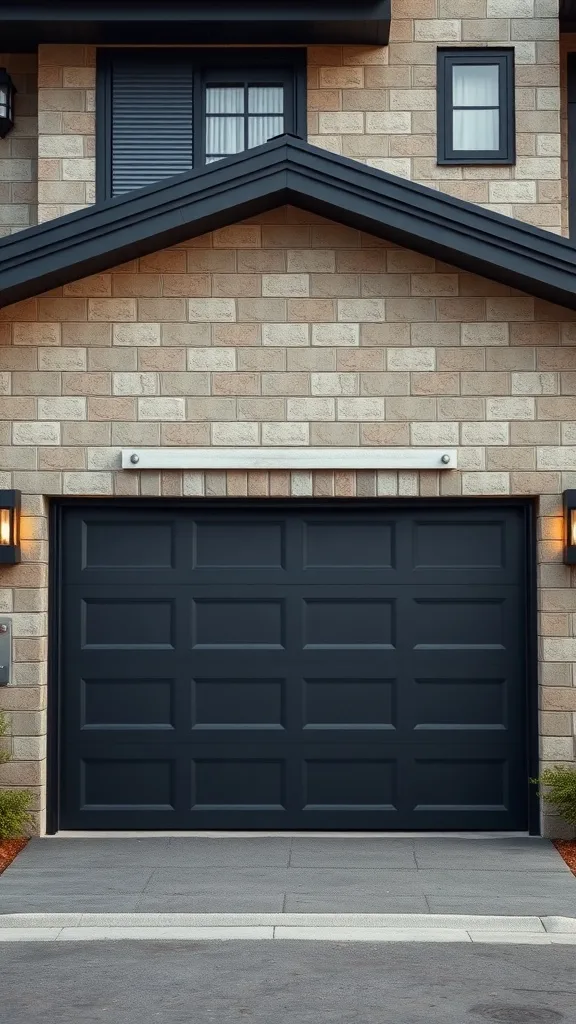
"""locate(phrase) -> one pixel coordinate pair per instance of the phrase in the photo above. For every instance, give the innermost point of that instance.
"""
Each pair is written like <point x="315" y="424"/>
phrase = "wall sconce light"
<point x="9" y="527"/>
<point x="7" y="93"/>
<point x="569" y="501"/>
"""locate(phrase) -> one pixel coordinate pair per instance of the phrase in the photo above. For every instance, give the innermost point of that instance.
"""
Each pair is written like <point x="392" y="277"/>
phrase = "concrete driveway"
<point x="504" y="876"/>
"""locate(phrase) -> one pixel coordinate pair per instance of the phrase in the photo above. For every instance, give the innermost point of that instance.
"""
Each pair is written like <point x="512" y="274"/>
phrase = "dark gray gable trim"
<point x="26" y="23"/>
<point x="288" y="170"/>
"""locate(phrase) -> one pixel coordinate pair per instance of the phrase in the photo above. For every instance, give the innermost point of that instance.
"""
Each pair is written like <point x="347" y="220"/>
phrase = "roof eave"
<point x="288" y="170"/>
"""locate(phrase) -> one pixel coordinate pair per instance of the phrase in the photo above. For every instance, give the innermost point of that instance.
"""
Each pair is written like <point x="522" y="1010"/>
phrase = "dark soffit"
<point x="26" y="24"/>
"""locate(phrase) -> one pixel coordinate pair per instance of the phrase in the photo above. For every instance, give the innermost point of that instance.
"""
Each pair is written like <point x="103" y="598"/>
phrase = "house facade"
<point x="288" y="387"/>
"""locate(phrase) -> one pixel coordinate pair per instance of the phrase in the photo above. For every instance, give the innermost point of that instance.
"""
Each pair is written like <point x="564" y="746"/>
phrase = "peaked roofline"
<point x="288" y="171"/>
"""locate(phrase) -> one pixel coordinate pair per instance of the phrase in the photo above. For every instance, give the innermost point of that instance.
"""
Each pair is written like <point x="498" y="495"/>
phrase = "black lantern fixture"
<point x="7" y="93"/>
<point x="9" y="527"/>
<point x="570" y="527"/>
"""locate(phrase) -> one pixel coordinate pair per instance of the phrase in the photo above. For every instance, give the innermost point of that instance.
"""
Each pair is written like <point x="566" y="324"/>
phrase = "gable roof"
<point x="287" y="170"/>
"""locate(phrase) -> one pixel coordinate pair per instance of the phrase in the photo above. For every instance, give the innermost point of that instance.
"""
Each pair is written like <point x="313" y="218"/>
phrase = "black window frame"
<point x="210" y="66"/>
<point x="503" y="57"/>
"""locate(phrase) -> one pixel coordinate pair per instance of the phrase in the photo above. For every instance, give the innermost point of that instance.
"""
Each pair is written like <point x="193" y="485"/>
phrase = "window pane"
<point x="224" y="135"/>
<point x="266" y="99"/>
<point x="225" y="100"/>
<point x="476" y="130"/>
<point x="475" y="85"/>
<point x="260" y="129"/>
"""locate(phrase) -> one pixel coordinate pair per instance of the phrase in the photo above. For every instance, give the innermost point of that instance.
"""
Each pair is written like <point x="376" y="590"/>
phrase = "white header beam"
<point x="289" y="458"/>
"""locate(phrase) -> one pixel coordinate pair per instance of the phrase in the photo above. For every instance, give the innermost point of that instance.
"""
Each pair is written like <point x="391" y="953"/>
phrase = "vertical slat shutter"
<point x="152" y="120"/>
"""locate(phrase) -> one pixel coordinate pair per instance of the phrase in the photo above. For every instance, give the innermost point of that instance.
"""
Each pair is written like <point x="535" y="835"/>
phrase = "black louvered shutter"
<point x="152" y="120"/>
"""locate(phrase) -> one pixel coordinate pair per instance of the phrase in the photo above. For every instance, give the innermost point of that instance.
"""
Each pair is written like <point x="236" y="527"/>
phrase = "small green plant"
<point x="15" y="817"/>
<point x="557" y="786"/>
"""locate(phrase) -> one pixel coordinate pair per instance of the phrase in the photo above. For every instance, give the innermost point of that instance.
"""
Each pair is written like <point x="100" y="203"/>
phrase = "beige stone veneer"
<point x="285" y="330"/>
<point x="374" y="104"/>
<point x="19" y="150"/>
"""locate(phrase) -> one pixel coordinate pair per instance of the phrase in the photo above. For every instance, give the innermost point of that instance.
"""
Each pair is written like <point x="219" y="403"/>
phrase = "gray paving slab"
<point x="481" y="843"/>
<point x="74" y="881"/>
<point x="488" y="883"/>
<point x="65" y="903"/>
<point x="212" y="903"/>
<point x="535" y="905"/>
<point x="486" y="856"/>
<point x="353" y="853"/>
<point x="114" y="853"/>
<point x="204" y="880"/>
<point x="354" y="903"/>
<point x="237" y="853"/>
<point x="77" y="854"/>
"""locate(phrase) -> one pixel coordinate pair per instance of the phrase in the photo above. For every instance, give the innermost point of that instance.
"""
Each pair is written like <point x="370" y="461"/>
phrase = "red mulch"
<point x="567" y="850"/>
<point x="9" y="849"/>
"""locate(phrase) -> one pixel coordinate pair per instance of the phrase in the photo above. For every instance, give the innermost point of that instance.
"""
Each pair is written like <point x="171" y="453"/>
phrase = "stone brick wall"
<point x="567" y="45"/>
<point x="379" y="105"/>
<point x="285" y="330"/>
<point x="66" y="143"/>
<point x="374" y="104"/>
<point x="19" y="150"/>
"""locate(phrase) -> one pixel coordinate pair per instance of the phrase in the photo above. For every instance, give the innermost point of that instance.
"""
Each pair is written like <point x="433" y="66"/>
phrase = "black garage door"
<point x="293" y="666"/>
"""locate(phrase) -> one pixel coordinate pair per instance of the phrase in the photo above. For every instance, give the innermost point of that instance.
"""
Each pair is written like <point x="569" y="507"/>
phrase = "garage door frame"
<point x="57" y="507"/>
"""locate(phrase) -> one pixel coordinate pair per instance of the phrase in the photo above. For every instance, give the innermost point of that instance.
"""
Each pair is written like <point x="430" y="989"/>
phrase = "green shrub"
<point x="15" y="817"/>
<point x="557" y="786"/>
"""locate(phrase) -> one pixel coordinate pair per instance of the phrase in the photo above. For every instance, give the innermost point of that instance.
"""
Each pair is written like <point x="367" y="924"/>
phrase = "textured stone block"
<point x="358" y="409"/>
<point x="41" y="433"/>
<point x="334" y="383"/>
<point x="236" y="434"/>
<point x="161" y="409"/>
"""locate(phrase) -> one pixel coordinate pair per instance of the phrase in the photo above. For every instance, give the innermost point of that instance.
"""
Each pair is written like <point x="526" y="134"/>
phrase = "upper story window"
<point x="164" y="112"/>
<point x="476" y="106"/>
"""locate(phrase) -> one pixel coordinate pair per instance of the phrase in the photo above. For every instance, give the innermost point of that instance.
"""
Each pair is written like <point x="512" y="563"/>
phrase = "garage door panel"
<point x="480" y="546"/>
<point x="100" y="545"/>
<point x="455" y="703"/>
<point x="285" y="666"/>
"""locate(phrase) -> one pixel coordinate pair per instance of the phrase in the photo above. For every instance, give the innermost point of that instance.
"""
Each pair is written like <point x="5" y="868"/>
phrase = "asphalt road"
<point x="286" y="983"/>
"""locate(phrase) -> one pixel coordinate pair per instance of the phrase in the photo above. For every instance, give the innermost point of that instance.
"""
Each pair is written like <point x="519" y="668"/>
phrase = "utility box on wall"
<point x="5" y="651"/>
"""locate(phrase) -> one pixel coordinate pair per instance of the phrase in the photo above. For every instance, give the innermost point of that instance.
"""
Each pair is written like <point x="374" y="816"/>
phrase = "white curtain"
<point x="226" y="114"/>
<point x="475" y="86"/>
<point x="267" y="103"/>
<point x="224" y="121"/>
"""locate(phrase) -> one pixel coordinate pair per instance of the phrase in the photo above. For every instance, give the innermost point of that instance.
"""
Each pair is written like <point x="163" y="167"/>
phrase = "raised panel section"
<point x="237" y="784"/>
<point x="351" y="784"/>
<point x="348" y="543"/>
<point x="127" y="703"/>
<point x="348" y="622"/>
<point x="229" y="623"/>
<point x="238" y="703"/>
<point x="465" y="703"/>
<point x="458" y="545"/>
<point x="128" y="545"/>
<point x="349" y="703"/>
<point x="461" y="784"/>
<point x="127" y="622"/>
<point x="127" y="784"/>
<point x="463" y="622"/>
<point x="227" y="544"/>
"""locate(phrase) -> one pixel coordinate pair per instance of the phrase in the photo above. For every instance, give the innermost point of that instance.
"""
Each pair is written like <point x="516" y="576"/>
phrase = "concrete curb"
<point x="310" y="927"/>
